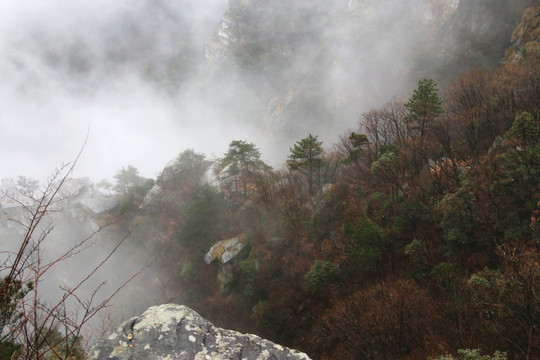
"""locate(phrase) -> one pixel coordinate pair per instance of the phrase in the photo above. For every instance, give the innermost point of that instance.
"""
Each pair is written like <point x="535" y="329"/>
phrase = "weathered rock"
<point x="151" y="199"/>
<point x="227" y="278"/>
<point x="73" y="194"/>
<point x="226" y="250"/>
<point x="211" y="175"/>
<point x="177" y="332"/>
<point x="100" y="204"/>
<point x="228" y="253"/>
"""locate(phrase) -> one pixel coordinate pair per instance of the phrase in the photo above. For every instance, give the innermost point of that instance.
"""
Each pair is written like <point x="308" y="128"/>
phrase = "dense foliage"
<point x="416" y="236"/>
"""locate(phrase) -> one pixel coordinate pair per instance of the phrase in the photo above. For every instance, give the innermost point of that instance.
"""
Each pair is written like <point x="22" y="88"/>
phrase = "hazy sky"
<point x="46" y="111"/>
<point x="69" y="68"/>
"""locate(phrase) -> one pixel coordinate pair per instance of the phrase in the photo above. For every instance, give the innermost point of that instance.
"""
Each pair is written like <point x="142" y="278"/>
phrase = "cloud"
<point x="133" y="75"/>
<point x="72" y="67"/>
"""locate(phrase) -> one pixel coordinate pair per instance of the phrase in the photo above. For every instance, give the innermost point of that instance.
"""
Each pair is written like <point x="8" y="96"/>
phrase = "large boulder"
<point x="228" y="253"/>
<point x="177" y="332"/>
<point x="236" y="248"/>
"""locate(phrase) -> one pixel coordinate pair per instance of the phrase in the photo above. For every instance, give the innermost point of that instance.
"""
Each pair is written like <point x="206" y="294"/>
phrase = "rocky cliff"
<point x="176" y="332"/>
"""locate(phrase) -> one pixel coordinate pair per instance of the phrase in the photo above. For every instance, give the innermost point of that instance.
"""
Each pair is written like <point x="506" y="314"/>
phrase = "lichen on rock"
<point x="173" y="331"/>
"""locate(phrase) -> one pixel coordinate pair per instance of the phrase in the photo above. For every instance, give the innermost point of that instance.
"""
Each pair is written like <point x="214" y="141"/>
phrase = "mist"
<point x="74" y="68"/>
<point x="137" y="80"/>
<point x="136" y="83"/>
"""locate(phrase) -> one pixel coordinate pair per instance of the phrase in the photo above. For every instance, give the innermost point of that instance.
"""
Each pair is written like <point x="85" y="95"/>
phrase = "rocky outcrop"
<point x="177" y="332"/>
<point x="228" y="253"/>
<point x="526" y="36"/>
<point x="73" y="194"/>
<point x="226" y="250"/>
<point x="480" y="31"/>
<point x="224" y="36"/>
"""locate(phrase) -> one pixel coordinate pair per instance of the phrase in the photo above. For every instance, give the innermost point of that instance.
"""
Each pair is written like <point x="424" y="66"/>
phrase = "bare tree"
<point x="41" y="327"/>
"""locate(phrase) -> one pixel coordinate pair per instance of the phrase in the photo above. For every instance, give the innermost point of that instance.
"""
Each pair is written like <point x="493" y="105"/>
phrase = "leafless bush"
<point x="38" y="327"/>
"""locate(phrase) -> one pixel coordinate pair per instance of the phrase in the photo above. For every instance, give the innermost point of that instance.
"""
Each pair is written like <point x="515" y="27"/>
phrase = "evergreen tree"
<point x="244" y="158"/>
<point x="190" y="167"/>
<point x="424" y="106"/>
<point x="307" y="156"/>
<point x="127" y="179"/>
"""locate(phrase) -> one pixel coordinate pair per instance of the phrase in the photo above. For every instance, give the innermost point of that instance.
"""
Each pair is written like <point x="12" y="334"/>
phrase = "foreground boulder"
<point x="177" y="332"/>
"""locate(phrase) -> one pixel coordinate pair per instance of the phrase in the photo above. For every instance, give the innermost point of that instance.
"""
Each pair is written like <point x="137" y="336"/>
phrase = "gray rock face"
<point x="228" y="253"/>
<point x="176" y="332"/>
<point x="227" y="250"/>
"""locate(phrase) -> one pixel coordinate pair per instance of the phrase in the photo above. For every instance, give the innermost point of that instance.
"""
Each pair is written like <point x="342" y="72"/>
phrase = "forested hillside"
<point x="415" y="236"/>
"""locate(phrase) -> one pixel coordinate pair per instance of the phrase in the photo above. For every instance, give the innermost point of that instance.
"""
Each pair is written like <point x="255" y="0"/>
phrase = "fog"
<point x="144" y="80"/>
<point x="140" y="81"/>
<point x="67" y="229"/>
<point x="72" y="68"/>
<point x="133" y="77"/>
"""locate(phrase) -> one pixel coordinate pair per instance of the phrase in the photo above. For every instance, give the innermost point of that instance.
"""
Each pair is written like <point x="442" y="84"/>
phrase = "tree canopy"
<point x="243" y="158"/>
<point x="424" y="106"/>
<point x="307" y="157"/>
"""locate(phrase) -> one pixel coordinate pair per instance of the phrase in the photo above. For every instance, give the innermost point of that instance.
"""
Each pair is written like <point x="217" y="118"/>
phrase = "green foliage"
<point x="9" y="350"/>
<point x="105" y="184"/>
<point x="69" y="347"/>
<point x="507" y="300"/>
<point x="328" y="214"/>
<point x="473" y="354"/>
<point x="424" y="106"/>
<point x="249" y="272"/>
<point x="525" y="131"/>
<point x="322" y="273"/>
<point x="410" y="215"/>
<point x="127" y="180"/>
<point x="366" y="244"/>
<point x="242" y="155"/>
<point x="259" y="310"/>
<point x="307" y="153"/>
<point x="356" y="144"/>
<point x="459" y="221"/>
<point x="191" y="165"/>
<point x="135" y="196"/>
<point x="450" y="273"/>
<point x="203" y="219"/>
<point x="418" y="254"/>
<point x="244" y="159"/>
<point x="524" y="160"/>
<point x="189" y="272"/>
<point x="11" y="292"/>
<point x="307" y="157"/>
<point x="384" y="163"/>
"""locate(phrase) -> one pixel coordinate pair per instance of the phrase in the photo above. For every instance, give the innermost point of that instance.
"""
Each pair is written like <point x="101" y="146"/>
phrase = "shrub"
<point x="189" y="272"/>
<point x="249" y="272"/>
<point x="366" y="244"/>
<point x="321" y="274"/>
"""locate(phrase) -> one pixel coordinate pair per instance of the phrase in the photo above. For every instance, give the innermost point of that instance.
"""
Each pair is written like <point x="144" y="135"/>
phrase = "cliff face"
<point x="317" y="64"/>
<point x="176" y="332"/>
<point x="481" y="31"/>
<point x="526" y="36"/>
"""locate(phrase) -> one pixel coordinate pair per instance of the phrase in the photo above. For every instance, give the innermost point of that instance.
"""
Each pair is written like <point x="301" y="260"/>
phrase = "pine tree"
<point x="244" y="158"/>
<point x="307" y="157"/>
<point x="424" y="106"/>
